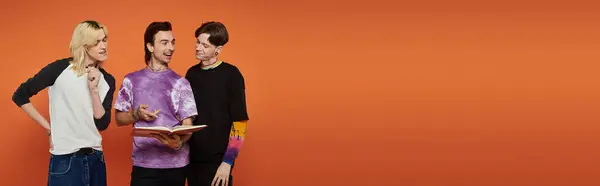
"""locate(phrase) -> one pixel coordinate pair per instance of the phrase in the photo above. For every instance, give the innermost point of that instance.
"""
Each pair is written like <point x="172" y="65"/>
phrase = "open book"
<point x="180" y="130"/>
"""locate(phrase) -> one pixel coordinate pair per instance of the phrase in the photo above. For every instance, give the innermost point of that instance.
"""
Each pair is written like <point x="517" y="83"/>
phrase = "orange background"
<point x="423" y="93"/>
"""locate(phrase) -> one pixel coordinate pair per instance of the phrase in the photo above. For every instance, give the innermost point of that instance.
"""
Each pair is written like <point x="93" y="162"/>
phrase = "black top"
<point x="220" y="100"/>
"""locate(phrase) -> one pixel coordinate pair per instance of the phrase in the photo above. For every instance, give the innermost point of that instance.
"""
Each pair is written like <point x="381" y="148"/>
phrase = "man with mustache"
<point x="80" y="93"/>
<point x="157" y="96"/>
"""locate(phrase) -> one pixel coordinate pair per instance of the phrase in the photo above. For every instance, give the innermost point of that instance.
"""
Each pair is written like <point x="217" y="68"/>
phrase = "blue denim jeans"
<point x="77" y="170"/>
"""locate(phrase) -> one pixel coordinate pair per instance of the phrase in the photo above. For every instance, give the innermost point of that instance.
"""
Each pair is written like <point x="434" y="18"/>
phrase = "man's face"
<point x="164" y="46"/>
<point x="98" y="52"/>
<point x="204" y="49"/>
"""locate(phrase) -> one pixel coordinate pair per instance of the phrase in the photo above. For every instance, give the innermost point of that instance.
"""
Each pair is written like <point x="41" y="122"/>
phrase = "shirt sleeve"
<point x="102" y="123"/>
<point x="237" y="97"/>
<point x="184" y="102"/>
<point x="44" y="78"/>
<point x="124" y="96"/>
<point x="236" y="139"/>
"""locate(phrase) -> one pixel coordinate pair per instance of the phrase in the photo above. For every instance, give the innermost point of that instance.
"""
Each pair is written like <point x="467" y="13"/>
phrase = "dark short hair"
<point x="151" y="31"/>
<point x="216" y="30"/>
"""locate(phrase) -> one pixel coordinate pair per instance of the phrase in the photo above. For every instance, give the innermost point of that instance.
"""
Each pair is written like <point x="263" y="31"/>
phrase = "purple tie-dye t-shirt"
<point x="164" y="90"/>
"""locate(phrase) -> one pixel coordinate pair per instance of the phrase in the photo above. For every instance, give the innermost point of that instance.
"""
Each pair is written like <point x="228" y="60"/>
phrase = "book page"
<point x="187" y="129"/>
<point x="180" y="130"/>
<point x="153" y="128"/>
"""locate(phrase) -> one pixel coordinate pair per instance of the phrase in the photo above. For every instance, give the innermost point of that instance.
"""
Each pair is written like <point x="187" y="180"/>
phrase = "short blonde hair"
<point x="84" y="36"/>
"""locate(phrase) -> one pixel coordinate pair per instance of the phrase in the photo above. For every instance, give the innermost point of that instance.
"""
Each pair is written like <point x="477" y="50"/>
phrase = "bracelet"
<point x="135" y="116"/>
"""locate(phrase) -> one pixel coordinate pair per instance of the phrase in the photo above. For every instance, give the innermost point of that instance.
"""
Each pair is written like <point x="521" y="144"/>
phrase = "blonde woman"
<point x="80" y="93"/>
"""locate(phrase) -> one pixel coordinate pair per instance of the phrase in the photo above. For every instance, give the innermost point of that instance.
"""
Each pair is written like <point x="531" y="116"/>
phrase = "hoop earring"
<point x="216" y="53"/>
